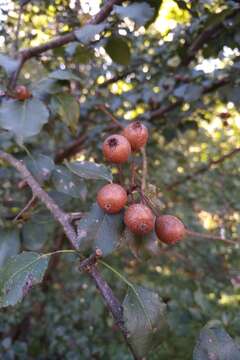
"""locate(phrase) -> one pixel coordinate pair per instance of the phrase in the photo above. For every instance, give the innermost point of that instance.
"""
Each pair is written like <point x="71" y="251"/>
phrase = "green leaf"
<point x="44" y="87"/>
<point x="144" y="317"/>
<point x="36" y="233"/>
<point x="189" y="92"/>
<point x="141" y="246"/>
<point x="41" y="167"/>
<point x="98" y="229"/>
<point x="118" y="49"/>
<point x="169" y="133"/>
<point x="81" y="54"/>
<point x="214" y="343"/>
<point x="234" y="95"/>
<point x="19" y="274"/>
<point x="155" y="5"/>
<point x="88" y="32"/>
<point x="9" y="244"/>
<point x="23" y="118"/>
<point x="8" y="64"/>
<point x="213" y="20"/>
<point x="67" y="183"/>
<point x="90" y="170"/>
<point x="140" y="13"/>
<point x="202" y="301"/>
<point x="68" y="108"/>
<point x="64" y="75"/>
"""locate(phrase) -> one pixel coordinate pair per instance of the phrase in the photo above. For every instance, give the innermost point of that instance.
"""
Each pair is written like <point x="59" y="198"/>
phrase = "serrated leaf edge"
<point x="28" y="265"/>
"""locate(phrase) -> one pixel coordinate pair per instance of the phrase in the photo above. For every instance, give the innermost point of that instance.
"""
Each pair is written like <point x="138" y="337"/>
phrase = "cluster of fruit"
<point x="112" y="198"/>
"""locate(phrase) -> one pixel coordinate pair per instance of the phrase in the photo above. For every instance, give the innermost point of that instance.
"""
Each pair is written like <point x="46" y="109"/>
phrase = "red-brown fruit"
<point x="112" y="198"/>
<point x="116" y="149"/>
<point x="169" y="229"/>
<point x="22" y="93"/>
<point x="137" y="135"/>
<point x="139" y="219"/>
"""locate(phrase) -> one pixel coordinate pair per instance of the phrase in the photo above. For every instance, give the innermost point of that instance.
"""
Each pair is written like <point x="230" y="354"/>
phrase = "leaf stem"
<point x="28" y="152"/>
<point x="144" y="168"/>
<point x="131" y="286"/>
<point x="60" y="252"/>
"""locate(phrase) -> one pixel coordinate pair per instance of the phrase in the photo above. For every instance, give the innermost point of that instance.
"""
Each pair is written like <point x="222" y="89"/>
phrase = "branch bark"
<point x="113" y="305"/>
<point x="164" y="110"/>
<point x="28" y="53"/>
<point x="211" y="237"/>
<point x="71" y="149"/>
<point x="203" y="169"/>
<point x="210" y="32"/>
<point x="88" y="265"/>
<point x="42" y="195"/>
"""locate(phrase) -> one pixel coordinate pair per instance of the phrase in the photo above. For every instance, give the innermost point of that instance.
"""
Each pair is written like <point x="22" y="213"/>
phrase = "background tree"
<point x="73" y="73"/>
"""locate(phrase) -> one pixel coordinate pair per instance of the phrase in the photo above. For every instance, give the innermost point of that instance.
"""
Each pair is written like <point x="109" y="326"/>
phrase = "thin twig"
<point x="28" y="53"/>
<point x="107" y="112"/>
<point x="204" y="36"/>
<point x="69" y="151"/>
<point x="203" y="169"/>
<point x="144" y="168"/>
<point x="16" y="43"/>
<point x="213" y="237"/>
<point x="111" y="301"/>
<point x="72" y="149"/>
<point x="158" y="113"/>
<point x="30" y="203"/>
<point x="133" y="173"/>
<point x="120" y="174"/>
<point x="113" y="305"/>
<point x="149" y="203"/>
<point x="38" y="192"/>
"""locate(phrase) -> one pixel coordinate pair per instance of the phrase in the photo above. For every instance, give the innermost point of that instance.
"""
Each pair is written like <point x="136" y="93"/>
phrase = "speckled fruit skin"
<point x="112" y="198"/>
<point x="137" y="135"/>
<point x="169" y="229"/>
<point x="22" y="93"/>
<point x="139" y="219"/>
<point x="116" y="149"/>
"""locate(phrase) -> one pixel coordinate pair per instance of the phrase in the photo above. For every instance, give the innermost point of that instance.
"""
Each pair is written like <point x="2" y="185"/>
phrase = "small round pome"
<point x="139" y="219"/>
<point x="116" y="149"/>
<point x="169" y="229"/>
<point x="112" y="198"/>
<point x="137" y="135"/>
<point x="22" y="93"/>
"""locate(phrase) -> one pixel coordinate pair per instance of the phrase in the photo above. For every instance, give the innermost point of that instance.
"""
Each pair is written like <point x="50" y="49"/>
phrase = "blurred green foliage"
<point x="180" y="75"/>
